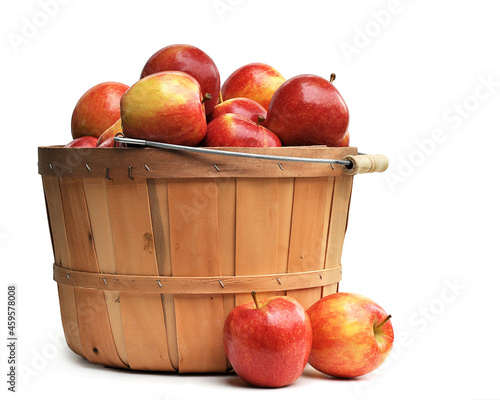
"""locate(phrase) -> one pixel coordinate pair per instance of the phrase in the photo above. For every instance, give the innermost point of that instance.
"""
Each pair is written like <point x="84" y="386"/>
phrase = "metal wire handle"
<point x="140" y="142"/>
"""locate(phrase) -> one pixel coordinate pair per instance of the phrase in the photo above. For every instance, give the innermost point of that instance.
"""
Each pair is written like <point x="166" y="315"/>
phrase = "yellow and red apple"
<point x="254" y="81"/>
<point x="165" y="107"/>
<point x="110" y="132"/>
<point x="352" y="335"/>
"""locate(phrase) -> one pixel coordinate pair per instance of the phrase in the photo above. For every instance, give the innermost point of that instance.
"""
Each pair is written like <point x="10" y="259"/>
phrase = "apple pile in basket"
<point x="179" y="100"/>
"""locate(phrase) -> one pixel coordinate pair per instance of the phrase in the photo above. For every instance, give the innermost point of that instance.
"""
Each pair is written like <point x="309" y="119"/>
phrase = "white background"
<point x="422" y="239"/>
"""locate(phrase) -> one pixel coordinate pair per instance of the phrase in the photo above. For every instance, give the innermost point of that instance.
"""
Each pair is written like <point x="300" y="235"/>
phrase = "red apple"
<point x="83" y="141"/>
<point x="110" y="142"/>
<point x="237" y="131"/>
<point x="255" y="81"/>
<point x="268" y="341"/>
<point x="165" y="107"/>
<point x="345" y="141"/>
<point x="245" y="107"/>
<point x="308" y="110"/>
<point x="97" y="109"/>
<point x="110" y="132"/>
<point x="352" y="335"/>
<point x="193" y="61"/>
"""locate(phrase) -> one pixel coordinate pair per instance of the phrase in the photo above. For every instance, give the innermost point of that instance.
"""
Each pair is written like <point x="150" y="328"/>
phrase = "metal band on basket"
<point x="197" y="285"/>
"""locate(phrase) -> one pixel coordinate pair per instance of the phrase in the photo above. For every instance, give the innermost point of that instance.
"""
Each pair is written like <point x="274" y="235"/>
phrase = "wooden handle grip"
<point x="363" y="164"/>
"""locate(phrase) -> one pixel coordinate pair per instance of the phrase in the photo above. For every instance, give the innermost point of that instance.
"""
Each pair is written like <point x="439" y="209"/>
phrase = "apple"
<point x="237" y="131"/>
<point x="352" y="335"/>
<point x="255" y="81"/>
<point x="110" y="142"/>
<point x="97" y="109"/>
<point x="110" y="132"/>
<point x="241" y="106"/>
<point x="345" y="141"/>
<point x="193" y="61"/>
<point x="308" y="110"/>
<point x="165" y="107"/>
<point x="268" y="341"/>
<point x="83" y="141"/>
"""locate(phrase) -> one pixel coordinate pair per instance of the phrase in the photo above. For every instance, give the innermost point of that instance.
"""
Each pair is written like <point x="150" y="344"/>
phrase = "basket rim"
<point x="147" y="162"/>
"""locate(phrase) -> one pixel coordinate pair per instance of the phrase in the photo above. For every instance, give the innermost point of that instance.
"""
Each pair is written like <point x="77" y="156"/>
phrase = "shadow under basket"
<point x="153" y="248"/>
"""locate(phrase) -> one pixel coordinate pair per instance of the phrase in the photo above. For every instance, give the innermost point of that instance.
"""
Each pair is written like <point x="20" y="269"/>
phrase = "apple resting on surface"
<point x="83" y="141"/>
<point x="237" y="131"/>
<point x="255" y="81"/>
<point x="110" y="132"/>
<point x="191" y="60"/>
<point x="97" y="109"/>
<point x="308" y="110"/>
<point x="165" y="107"/>
<point x="268" y="341"/>
<point x="241" y="106"/>
<point x="352" y="335"/>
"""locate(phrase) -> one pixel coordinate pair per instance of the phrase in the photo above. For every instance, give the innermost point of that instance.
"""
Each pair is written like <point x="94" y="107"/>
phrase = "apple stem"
<point x="332" y="77"/>
<point x="377" y="327"/>
<point x="254" y="295"/>
<point x="260" y="119"/>
<point x="207" y="97"/>
<point x="220" y="97"/>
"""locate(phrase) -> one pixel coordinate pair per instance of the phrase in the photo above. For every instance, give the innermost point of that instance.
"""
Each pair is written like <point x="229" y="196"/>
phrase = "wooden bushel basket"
<point x="153" y="248"/>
